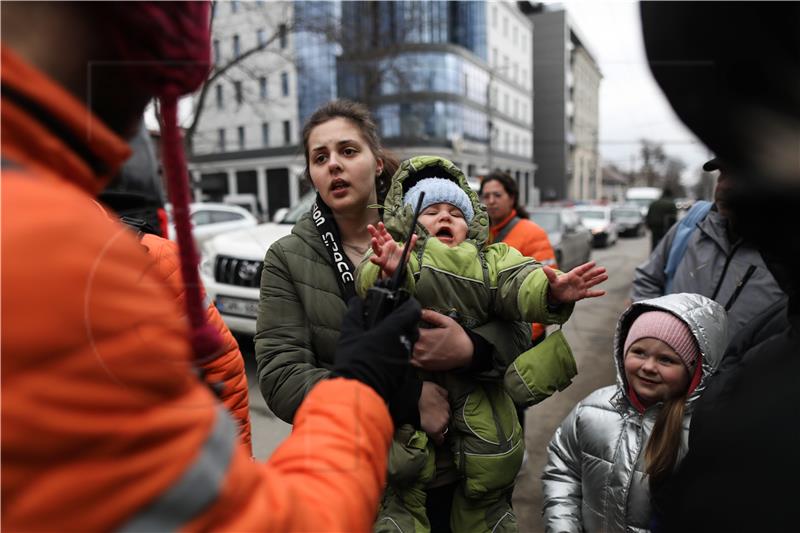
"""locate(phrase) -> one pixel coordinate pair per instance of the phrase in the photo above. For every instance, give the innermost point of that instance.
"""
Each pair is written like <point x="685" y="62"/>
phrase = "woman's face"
<point x="655" y="371"/>
<point x="498" y="202"/>
<point x="342" y="166"/>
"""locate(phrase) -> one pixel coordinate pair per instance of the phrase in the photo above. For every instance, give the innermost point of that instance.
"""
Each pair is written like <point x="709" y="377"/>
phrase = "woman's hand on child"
<point x="443" y="346"/>
<point x="434" y="411"/>
<point x="576" y="284"/>
<point x="387" y="253"/>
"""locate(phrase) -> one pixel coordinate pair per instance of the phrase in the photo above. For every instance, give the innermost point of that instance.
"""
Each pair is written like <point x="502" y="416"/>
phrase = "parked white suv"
<point x="212" y="219"/>
<point x="231" y="267"/>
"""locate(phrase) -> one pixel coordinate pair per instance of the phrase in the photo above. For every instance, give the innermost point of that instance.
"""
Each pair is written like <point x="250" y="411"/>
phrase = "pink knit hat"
<point x="670" y="330"/>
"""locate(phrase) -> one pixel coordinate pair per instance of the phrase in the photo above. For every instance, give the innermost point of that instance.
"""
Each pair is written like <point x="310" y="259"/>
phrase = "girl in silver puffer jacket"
<point x="622" y="439"/>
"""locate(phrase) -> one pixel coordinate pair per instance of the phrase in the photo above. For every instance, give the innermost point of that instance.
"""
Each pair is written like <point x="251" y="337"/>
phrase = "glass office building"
<point x="315" y="54"/>
<point x="420" y="66"/>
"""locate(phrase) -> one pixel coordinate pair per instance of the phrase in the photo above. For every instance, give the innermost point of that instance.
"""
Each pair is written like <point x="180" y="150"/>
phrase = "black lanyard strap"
<point x="328" y="230"/>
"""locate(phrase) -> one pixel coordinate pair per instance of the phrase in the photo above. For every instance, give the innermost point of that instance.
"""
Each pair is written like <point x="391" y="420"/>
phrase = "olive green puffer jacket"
<point x="300" y="313"/>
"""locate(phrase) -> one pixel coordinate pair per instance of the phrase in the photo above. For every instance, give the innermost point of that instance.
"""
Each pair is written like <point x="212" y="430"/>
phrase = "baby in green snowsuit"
<point x="451" y="270"/>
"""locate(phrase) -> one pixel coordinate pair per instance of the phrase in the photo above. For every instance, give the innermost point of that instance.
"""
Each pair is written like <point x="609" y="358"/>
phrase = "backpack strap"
<point x="503" y="233"/>
<point x="681" y="241"/>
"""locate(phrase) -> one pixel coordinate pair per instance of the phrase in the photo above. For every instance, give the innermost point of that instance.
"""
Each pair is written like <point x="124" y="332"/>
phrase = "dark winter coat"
<point x="740" y="473"/>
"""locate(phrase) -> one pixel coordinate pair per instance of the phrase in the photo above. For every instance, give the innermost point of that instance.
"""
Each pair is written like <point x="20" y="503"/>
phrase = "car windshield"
<point x="593" y="215"/>
<point x="641" y="202"/>
<point x="302" y="207"/>
<point x="624" y="213"/>
<point x="547" y="220"/>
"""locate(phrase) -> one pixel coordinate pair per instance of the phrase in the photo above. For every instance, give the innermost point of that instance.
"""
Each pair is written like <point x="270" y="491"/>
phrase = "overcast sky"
<point x="631" y="104"/>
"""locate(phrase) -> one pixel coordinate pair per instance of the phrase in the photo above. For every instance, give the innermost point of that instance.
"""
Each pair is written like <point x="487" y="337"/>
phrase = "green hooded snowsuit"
<point x="474" y="282"/>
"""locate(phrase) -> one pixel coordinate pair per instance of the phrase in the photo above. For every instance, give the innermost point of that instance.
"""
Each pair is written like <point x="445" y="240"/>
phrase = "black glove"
<point x="378" y="357"/>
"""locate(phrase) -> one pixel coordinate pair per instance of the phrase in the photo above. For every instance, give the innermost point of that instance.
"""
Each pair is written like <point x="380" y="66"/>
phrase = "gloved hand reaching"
<point x="378" y="357"/>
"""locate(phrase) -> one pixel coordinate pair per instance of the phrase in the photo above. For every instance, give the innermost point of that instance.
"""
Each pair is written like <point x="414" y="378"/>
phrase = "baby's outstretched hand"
<point x="576" y="284"/>
<point x="387" y="253"/>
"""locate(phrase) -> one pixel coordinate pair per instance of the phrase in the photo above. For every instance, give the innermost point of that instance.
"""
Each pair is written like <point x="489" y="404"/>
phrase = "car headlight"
<point x="207" y="265"/>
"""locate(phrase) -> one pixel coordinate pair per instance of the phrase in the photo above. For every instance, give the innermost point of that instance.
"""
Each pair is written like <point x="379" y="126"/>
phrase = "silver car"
<point x="598" y="219"/>
<point x="571" y="241"/>
<point x="629" y="220"/>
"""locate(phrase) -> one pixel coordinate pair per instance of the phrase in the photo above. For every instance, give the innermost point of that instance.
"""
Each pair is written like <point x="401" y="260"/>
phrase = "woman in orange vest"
<point x="510" y="224"/>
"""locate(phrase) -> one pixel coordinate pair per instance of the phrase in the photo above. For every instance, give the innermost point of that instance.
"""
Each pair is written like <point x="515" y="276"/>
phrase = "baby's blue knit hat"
<point x="440" y="190"/>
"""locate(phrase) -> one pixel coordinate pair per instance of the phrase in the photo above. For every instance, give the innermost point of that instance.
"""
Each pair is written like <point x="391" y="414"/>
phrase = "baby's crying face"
<point x="445" y="222"/>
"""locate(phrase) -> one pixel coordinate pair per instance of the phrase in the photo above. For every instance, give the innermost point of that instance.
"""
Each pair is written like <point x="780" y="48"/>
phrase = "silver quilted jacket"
<point x="594" y="479"/>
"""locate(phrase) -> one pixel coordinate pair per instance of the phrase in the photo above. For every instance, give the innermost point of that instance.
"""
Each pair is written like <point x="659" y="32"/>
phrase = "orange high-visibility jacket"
<point x="225" y="369"/>
<point x="532" y="241"/>
<point x="104" y="424"/>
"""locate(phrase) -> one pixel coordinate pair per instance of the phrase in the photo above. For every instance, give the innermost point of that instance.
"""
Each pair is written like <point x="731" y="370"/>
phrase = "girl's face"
<point x="342" y="166"/>
<point x="655" y="371"/>
<point x="445" y="222"/>
<point x="498" y="202"/>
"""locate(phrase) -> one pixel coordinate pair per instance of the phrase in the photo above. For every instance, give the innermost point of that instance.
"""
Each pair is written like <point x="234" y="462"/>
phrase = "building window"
<point x="237" y="89"/>
<point x="240" y="135"/>
<point x="265" y="133"/>
<point x="261" y="37"/>
<point x="221" y="139"/>
<point x="514" y="36"/>
<point x="287" y="132"/>
<point x="505" y="26"/>
<point x="284" y="84"/>
<point x="525" y="78"/>
<point x="494" y="57"/>
<point x="494" y="17"/>
<point x="505" y="103"/>
<point x="217" y="58"/>
<point x="220" y="103"/>
<point x="282" y="35"/>
<point x="262" y="87"/>
<point x="236" y="46"/>
<point x="234" y="6"/>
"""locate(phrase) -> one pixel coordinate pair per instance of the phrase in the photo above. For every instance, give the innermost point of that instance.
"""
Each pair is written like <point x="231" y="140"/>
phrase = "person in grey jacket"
<point x="716" y="263"/>
<point x="625" y="439"/>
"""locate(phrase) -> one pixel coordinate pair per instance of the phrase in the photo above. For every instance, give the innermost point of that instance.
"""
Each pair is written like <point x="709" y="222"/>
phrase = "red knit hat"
<point x="670" y="330"/>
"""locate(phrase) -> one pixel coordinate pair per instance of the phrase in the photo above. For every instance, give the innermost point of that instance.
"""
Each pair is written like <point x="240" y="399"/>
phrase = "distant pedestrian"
<point x="704" y="254"/>
<point x="661" y="216"/>
<point x="622" y="441"/>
